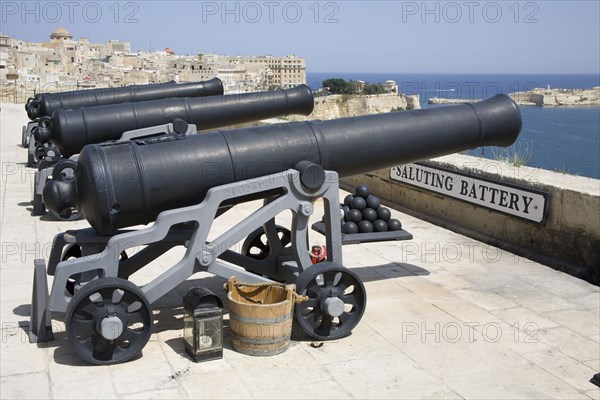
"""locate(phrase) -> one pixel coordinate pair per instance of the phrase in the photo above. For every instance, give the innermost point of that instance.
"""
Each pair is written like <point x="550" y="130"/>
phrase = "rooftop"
<point x="446" y="317"/>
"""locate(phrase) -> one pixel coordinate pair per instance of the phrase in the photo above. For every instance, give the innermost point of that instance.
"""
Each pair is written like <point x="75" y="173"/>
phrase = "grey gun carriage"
<point x="289" y="166"/>
<point x="71" y="129"/>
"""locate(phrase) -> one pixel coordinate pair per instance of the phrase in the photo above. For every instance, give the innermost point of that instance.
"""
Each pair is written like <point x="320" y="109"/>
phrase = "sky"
<point x="343" y="36"/>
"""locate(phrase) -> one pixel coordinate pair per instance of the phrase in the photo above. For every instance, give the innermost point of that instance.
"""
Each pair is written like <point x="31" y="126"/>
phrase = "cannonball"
<point x="349" y="227"/>
<point x="362" y="191"/>
<point x="348" y="200"/>
<point x="384" y="214"/>
<point x="358" y="203"/>
<point x="373" y="201"/>
<point x="365" y="227"/>
<point x="369" y="214"/>
<point x="380" y="225"/>
<point x="345" y="209"/>
<point x="354" y="216"/>
<point x="394" y="225"/>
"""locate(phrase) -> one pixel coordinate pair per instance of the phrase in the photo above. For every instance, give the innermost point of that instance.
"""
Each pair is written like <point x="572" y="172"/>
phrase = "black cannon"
<point x="348" y="146"/>
<point x="71" y="129"/>
<point x="44" y="104"/>
<point x="289" y="166"/>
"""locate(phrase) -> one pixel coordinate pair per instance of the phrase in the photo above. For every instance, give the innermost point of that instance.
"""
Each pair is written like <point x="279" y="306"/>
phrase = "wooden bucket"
<point x="260" y="316"/>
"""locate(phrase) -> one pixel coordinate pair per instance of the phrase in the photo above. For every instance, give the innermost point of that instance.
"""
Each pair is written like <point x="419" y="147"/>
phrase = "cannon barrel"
<point x="129" y="183"/>
<point x="71" y="129"/>
<point x="44" y="104"/>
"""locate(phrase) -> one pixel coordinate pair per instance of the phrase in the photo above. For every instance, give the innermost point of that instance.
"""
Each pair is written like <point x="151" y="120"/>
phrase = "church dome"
<point x="61" y="34"/>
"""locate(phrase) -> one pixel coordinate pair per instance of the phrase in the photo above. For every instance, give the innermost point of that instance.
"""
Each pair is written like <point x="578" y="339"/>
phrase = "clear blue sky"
<point x="340" y="36"/>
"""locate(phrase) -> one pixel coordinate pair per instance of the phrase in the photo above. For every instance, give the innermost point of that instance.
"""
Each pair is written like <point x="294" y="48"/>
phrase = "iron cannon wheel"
<point x="337" y="301"/>
<point x="109" y="321"/>
<point x="38" y="205"/>
<point x="71" y="252"/>
<point x="31" y="162"/>
<point x="257" y="245"/>
<point x="24" y="137"/>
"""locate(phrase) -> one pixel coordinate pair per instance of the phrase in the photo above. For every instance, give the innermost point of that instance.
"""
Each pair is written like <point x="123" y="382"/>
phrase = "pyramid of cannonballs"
<point x="363" y="213"/>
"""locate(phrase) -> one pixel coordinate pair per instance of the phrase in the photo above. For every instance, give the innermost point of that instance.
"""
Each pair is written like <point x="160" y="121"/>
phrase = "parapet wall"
<point x="569" y="240"/>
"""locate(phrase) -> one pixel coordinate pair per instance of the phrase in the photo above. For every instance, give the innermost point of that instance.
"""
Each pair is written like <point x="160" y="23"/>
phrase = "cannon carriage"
<point x="288" y="166"/>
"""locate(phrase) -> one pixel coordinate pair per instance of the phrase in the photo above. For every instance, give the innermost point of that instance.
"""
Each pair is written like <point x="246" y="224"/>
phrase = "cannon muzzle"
<point x="130" y="183"/>
<point x="71" y="129"/>
<point x="44" y="104"/>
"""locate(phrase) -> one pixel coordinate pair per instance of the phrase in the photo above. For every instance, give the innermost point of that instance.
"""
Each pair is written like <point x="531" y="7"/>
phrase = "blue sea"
<point x="565" y="139"/>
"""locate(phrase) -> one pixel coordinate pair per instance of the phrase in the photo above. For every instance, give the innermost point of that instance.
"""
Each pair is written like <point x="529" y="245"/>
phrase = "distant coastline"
<point x="465" y="86"/>
<point x="563" y="138"/>
<point x="541" y="97"/>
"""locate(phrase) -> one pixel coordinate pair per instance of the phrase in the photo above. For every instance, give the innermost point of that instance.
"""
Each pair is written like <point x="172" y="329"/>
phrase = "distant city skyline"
<point x="342" y="36"/>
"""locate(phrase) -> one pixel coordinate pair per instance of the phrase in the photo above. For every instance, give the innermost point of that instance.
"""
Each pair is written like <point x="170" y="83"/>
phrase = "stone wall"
<point x="569" y="241"/>
<point x="340" y="106"/>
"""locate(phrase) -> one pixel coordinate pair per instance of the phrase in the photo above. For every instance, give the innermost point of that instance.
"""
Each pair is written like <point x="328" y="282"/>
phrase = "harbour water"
<point x="564" y="139"/>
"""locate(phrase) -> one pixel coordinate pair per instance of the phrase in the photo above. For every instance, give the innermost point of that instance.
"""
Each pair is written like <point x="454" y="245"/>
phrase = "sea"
<point x="564" y="139"/>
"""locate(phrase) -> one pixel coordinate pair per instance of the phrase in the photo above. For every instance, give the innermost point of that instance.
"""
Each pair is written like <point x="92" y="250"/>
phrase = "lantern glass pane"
<point x="188" y="329"/>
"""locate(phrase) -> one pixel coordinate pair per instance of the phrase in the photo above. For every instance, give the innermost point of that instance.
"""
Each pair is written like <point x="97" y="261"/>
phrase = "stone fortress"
<point x="558" y="97"/>
<point x="67" y="64"/>
<point x="542" y="97"/>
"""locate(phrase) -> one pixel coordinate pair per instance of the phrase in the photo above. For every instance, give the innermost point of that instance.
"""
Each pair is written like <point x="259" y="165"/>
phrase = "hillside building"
<point x="64" y="63"/>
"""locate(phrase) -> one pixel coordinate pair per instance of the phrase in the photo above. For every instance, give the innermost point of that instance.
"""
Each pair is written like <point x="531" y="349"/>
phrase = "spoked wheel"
<point x="72" y="252"/>
<point x="38" y="205"/>
<point x="109" y="320"/>
<point x="24" y="137"/>
<point x="337" y="301"/>
<point x="257" y="245"/>
<point x="31" y="162"/>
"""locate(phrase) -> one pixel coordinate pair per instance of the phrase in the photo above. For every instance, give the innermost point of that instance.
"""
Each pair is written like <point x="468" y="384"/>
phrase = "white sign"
<point x="510" y="199"/>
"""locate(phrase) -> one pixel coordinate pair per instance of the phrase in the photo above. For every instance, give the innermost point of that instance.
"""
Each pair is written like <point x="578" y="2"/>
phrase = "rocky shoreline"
<point x="542" y="97"/>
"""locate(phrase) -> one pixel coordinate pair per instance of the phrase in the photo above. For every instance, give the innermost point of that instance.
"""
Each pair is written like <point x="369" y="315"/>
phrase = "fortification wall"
<point x="569" y="240"/>
<point x="341" y="106"/>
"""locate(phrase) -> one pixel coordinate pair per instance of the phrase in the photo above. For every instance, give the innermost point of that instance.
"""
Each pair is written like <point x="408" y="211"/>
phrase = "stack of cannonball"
<point x="363" y="213"/>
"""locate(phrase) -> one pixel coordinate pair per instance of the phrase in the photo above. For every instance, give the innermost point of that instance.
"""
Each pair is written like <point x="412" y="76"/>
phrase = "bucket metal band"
<point x="279" y="339"/>
<point x="260" y="321"/>
<point x="261" y="352"/>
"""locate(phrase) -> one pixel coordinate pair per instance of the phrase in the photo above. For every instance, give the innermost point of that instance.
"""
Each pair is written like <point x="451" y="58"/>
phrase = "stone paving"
<point x="446" y="317"/>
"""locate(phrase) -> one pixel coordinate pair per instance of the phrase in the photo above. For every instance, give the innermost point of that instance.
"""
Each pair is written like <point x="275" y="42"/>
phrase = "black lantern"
<point x="203" y="324"/>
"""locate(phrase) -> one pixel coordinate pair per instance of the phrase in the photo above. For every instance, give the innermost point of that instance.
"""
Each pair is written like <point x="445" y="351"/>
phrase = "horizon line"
<point x="458" y="73"/>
